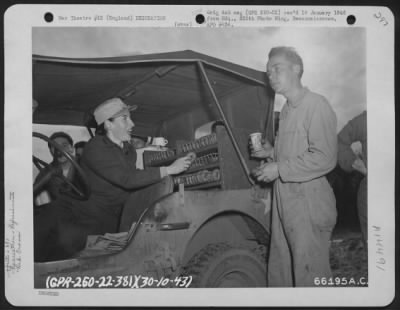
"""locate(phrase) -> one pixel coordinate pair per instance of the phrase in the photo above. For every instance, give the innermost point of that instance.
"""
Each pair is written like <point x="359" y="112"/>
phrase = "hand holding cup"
<point x="260" y="148"/>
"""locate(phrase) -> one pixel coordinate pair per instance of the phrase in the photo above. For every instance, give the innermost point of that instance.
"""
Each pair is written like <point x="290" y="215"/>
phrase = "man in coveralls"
<point x="304" y="207"/>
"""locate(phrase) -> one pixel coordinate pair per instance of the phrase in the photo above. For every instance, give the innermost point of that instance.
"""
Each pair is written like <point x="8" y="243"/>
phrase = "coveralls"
<point x="355" y="131"/>
<point x="304" y="206"/>
<point x="61" y="227"/>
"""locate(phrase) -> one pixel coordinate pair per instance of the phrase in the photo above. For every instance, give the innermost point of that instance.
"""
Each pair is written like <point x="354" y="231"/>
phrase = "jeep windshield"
<point x="175" y="92"/>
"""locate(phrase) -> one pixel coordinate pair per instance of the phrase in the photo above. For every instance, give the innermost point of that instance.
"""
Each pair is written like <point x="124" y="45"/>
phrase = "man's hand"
<point x="267" y="172"/>
<point x="266" y="152"/>
<point x="179" y="165"/>
<point x="359" y="166"/>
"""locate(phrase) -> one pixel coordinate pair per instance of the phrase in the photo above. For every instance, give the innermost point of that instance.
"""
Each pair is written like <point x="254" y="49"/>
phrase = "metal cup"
<point x="255" y="139"/>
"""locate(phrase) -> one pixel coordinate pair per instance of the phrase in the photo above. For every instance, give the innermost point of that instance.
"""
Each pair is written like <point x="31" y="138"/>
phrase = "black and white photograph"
<point x="200" y="156"/>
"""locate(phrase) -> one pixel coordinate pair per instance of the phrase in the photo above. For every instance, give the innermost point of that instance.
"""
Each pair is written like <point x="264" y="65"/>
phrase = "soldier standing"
<point x="304" y="207"/>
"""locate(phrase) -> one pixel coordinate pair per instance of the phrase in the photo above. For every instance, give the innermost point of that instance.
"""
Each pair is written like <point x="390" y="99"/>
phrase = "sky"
<point x="334" y="57"/>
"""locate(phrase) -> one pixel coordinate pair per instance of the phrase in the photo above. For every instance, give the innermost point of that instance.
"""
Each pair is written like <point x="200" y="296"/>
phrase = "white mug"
<point x="159" y="141"/>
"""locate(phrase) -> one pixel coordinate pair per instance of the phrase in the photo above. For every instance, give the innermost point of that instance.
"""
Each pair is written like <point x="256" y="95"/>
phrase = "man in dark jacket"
<point x="109" y="161"/>
<point x="79" y="146"/>
<point x="356" y="131"/>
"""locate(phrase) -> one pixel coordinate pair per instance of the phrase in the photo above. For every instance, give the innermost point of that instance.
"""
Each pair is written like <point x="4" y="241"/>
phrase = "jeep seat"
<point x="142" y="199"/>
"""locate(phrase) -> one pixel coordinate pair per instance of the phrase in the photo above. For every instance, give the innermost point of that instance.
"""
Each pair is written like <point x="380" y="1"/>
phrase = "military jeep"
<point x="209" y="226"/>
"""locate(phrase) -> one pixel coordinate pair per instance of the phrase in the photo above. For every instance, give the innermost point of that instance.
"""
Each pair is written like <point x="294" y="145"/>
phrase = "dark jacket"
<point x="112" y="175"/>
<point x="56" y="187"/>
<point x="354" y="131"/>
<point x="61" y="227"/>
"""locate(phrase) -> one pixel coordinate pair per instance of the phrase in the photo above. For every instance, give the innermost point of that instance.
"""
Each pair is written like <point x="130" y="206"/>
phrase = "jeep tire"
<point x="225" y="265"/>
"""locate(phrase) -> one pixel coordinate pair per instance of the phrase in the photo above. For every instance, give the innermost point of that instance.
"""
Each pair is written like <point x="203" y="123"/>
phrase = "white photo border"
<point x="19" y="21"/>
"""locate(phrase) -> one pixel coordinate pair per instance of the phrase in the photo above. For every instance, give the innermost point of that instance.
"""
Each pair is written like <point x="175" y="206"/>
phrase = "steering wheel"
<point x="81" y="192"/>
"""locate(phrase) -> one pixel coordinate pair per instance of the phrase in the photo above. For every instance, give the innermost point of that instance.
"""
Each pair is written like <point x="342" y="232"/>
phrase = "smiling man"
<point x="109" y="163"/>
<point x="58" y="170"/>
<point x="304" y="208"/>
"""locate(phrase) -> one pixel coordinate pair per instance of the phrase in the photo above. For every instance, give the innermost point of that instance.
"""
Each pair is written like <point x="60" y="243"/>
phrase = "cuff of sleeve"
<point x="163" y="172"/>
<point x="283" y="170"/>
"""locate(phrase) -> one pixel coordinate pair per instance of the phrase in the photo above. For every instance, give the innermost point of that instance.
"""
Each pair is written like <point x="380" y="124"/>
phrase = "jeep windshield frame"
<point x="153" y="67"/>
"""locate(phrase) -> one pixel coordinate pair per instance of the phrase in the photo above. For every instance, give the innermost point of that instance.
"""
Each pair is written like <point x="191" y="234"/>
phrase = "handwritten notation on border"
<point x="12" y="240"/>
<point x="380" y="261"/>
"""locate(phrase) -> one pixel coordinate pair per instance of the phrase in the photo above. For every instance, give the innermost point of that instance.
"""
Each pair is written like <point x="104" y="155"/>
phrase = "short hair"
<point x="290" y="53"/>
<point x="80" y="144"/>
<point x="101" y="129"/>
<point x="61" y="134"/>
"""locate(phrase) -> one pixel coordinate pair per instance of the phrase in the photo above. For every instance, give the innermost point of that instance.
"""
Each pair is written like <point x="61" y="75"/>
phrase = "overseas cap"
<point x="111" y="108"/>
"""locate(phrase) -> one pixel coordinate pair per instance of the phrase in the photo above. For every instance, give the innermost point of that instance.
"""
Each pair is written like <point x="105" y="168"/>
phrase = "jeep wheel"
<point x="222" y="265"/>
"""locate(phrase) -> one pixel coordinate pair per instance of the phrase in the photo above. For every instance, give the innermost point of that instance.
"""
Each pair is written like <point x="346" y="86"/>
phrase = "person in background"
<point x="60" y="167"/>
<point x="35" y="104"/>
<point x="303" y="208"/>
<point x="62" y="227"/>
<point x="79" y="146"/>
<point x="356" y="131"/>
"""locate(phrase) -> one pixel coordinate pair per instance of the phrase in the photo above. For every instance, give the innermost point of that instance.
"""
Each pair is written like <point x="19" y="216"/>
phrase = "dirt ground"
<point x="348" y="258"/>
